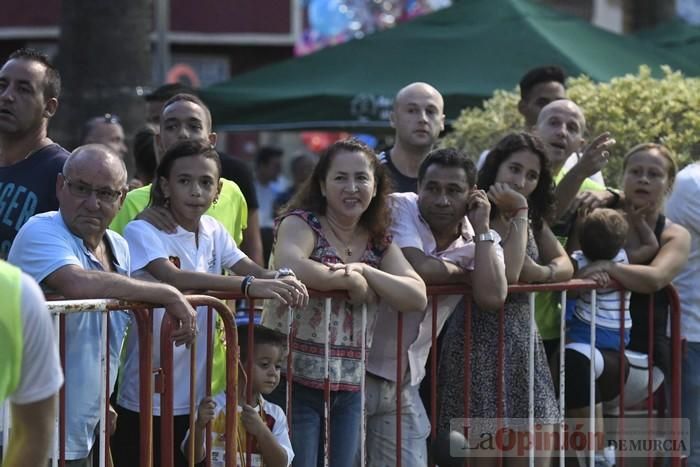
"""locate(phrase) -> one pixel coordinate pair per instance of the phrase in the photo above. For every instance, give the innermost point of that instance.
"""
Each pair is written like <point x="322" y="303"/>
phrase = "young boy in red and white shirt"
<point x="265" y="422"/>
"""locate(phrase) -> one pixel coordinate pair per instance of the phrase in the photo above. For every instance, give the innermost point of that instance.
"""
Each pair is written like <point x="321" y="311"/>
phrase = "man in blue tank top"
<point x="29" y="160"/>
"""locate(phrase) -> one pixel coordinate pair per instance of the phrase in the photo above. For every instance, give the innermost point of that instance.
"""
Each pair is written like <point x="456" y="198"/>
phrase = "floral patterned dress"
<point x="484" y="353"/>
<point x="310" y="331"/>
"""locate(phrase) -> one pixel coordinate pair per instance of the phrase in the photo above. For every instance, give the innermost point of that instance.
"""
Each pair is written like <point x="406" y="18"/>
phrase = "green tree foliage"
<point x="633" y="108"/>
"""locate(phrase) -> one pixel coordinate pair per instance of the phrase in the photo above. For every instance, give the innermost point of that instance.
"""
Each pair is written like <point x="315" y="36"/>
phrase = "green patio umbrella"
<point x="466" y="51"/>
<point x="676" y="36"/>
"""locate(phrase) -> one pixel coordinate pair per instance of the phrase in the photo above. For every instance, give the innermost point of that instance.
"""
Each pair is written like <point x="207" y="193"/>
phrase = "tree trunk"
<point x="105" y="60"/>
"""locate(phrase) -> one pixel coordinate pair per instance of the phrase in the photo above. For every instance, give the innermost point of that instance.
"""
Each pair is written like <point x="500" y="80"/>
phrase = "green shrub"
<point x="633" y="108"/>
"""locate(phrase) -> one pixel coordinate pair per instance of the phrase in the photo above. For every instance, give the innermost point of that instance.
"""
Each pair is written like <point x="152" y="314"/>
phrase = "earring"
<point x="166" y="204"/>
<point x="215" y="201"/>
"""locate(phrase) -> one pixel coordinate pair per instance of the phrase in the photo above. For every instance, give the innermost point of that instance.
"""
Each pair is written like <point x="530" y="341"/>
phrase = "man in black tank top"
<point x="29" y="160"/>
<point x="417" y="118"/>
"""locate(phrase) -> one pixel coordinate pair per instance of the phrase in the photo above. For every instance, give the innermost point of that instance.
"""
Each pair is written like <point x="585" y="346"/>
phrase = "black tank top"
<point x="639" y="311"/>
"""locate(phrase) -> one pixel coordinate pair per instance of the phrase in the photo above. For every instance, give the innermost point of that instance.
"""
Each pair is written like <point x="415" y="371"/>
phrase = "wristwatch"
<point x="489" y="236"/>
<point x="282" y="272"/>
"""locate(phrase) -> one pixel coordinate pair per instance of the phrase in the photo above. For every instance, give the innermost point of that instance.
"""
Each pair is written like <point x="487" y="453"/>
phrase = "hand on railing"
<point x="205" y="412"/>
<point x="601" y="278"/>
<point x="186" y="318"/>
<point x="359" y="290"/>
<point x="288" y="290"/>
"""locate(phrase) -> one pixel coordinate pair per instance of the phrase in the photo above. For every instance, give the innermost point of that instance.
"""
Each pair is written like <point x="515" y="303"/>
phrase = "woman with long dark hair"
<point x="519" y="184"/>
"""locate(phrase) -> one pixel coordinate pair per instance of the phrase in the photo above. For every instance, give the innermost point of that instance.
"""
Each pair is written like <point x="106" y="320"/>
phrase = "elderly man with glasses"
<point x="72" y="253"/>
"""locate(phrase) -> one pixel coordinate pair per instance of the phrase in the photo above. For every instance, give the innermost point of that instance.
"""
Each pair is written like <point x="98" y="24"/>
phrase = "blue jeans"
<point x="308" y="427"/>
<point x="691" y="399"/>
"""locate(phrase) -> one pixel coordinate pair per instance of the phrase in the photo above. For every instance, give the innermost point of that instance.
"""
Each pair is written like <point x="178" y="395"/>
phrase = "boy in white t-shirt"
<point x="265" y="422"/>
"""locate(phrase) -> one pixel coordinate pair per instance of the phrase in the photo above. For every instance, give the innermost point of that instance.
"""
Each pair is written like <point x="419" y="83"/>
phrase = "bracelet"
<point x="284" y="272"/>
<point x="550" y="277"/>
<point x="245" y="284"/>
<point x="247" y="287"/>
<point x="515" y="223"/>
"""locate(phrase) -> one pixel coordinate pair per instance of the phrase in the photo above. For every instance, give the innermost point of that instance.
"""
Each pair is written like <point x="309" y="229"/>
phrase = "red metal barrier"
<point x="582" y="285"/>
<point x="143" y="317"/>
<point x="166" y="355"/>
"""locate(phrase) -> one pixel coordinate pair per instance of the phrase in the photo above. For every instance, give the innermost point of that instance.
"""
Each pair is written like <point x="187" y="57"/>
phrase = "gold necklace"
<point x="348" y="248"/>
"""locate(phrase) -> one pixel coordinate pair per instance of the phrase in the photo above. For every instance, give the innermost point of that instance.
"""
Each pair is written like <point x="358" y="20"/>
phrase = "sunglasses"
<point x="111" y="118"/>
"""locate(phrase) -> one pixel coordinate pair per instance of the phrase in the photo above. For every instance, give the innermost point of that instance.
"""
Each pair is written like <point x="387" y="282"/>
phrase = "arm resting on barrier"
<point x="295" y="242"/>
<point x="669" y="261"/>
<point x="282" y="289"/>
<point x="74" y="282"/>
<point x="397" y="282"/>
<point x="434" y="270"/>
<point x="556" y="266"/>
<point x="31" y="434"/>
<point x="183" y="279"/>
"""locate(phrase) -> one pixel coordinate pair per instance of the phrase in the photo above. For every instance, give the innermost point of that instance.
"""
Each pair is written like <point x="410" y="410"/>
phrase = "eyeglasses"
<point x="83" y="190"/>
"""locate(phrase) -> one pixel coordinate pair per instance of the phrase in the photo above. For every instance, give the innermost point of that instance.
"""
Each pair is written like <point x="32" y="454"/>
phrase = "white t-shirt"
<point x="683" y="207"/>
<point x="41" y="374"/>
<point x="276" y="421"/>
<point x="216" y="251"/>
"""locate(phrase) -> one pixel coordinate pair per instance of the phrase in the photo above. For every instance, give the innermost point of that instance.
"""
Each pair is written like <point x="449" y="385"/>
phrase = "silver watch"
<point x="489" y="236"/>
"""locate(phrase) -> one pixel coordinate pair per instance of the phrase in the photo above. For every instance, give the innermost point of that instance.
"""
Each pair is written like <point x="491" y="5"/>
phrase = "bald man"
<point x="72" y="253"/>
<point x="561" y="125"/>
<point x="417" y="118"/>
